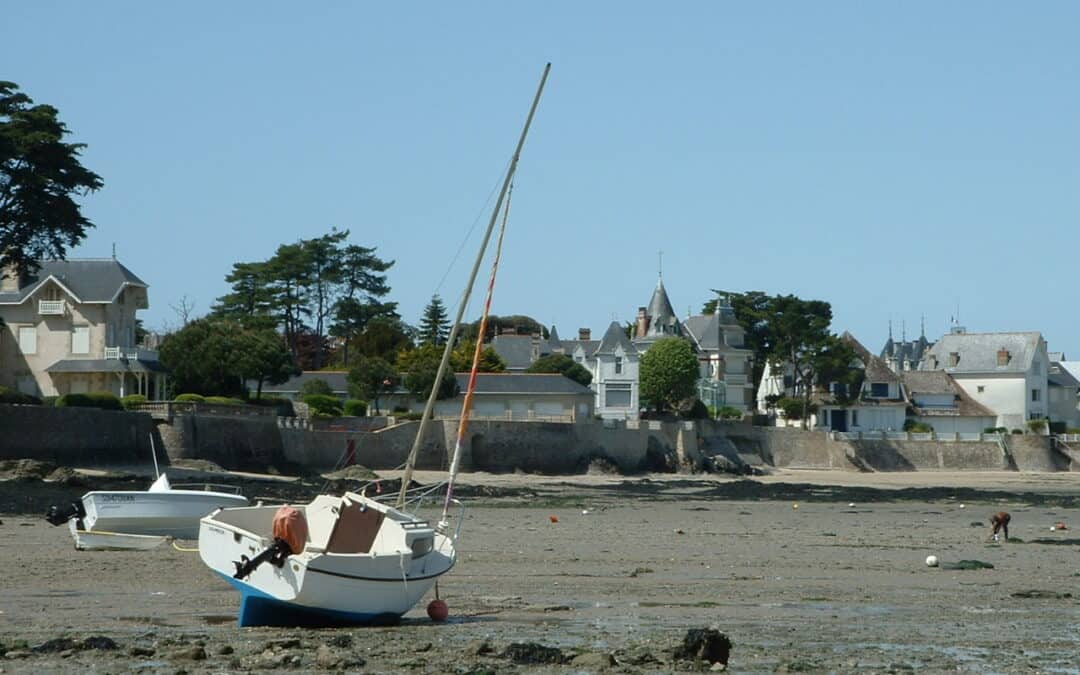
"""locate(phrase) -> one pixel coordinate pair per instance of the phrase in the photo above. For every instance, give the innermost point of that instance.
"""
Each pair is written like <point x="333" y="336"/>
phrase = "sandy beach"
<point x="803" y="571"/>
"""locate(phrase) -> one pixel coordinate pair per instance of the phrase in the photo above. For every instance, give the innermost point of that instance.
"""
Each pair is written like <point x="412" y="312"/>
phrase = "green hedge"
<point x="95" y="399"/>
<point x="323" y="405"/>
<point x="190" y="398"/>
<point x="8" y="395"/>
<point x="223" y="400"/>
<point x="355" y="407"/>
<point x="132" y="400"/>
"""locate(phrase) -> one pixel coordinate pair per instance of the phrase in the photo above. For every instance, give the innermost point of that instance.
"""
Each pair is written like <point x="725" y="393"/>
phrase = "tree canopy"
<point x="39" y="176"/>
<point x="420" y="367"/>
<point x="309" y="290"/>
<point x="561" y="363"/>
<point x="370" y="378"/>
<point x="668" y="374"/>
<point x="216" y="356"/>
<point x="434" y="325"/>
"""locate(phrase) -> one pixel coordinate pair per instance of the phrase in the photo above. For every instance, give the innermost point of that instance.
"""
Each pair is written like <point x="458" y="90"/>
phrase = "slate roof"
<point x="978" y="352"/>
<point x="553" y="337"/>
<point x="875" y="367"/>
<point x="538" y="384"/>
<point x="940" y="382"/>
<point x="515" y="350"/>
<point x="589" y="346"/>
<point x="615" y="337"/>
<point x="1060" y="377"/>
<point x="93" y="281"/>
<point x="106" y="366"/>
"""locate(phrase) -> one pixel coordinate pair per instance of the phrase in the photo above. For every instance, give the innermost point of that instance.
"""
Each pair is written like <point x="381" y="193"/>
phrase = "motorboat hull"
<point x="86" y="540"/>
<point x="172" y="513"/>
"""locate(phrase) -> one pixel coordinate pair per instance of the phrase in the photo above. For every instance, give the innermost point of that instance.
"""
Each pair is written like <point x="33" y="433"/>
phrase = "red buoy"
<point x="438" y="611"/>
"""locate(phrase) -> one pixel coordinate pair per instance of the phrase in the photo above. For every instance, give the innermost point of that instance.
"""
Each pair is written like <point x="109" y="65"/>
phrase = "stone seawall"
<point x="76" y="435"/>
<point x="89" y="436"/>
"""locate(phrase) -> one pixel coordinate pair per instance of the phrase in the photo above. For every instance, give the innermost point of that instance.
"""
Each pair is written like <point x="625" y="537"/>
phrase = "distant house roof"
<point x="587" y="346"/>
<point x="106" y="366"/>
<point x="88" y="281"/>
<point x="615" y="337"/>
<point x="875" y="368"/>
<point x="977" y="352"/>
<point x="515" y="350"/>
<point x="1059" y="376"/>
<point x="938" y="382"/>
<point x="540" y="384"/>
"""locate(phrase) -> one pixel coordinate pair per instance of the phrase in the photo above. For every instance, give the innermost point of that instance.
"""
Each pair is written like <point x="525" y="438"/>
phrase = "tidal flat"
<point x="608" y="574"/>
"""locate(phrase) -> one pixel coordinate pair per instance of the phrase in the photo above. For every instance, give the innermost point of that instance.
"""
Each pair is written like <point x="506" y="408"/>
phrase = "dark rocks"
<point x="195" y="653"/>
<point x="479" y="648"/>
<point x="225" y="650"/>
<point x="1041" y="595"/>
<point x="704" y="644"/>
<point x="286" y="643"/>
<point x="141" y="651"/>
<point x="98" y="642"/>
<point x="532" y="652"/>
<point x="590" y="661"/>
<point x="967" y="565"/>
<point x="340" y="641"/>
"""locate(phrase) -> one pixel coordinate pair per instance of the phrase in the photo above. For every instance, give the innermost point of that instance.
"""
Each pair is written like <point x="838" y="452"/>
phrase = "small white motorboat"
<point x="352" y="560"/>
<point x="111" y="541"/>
<point x="164" y="510"/>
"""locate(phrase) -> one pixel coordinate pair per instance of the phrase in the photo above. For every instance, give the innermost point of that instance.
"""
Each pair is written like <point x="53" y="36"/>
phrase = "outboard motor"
<point x="58" y="515"/>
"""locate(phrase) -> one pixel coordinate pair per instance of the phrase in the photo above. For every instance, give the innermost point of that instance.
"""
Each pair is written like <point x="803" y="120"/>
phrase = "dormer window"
<point x="954" y="359"/>
<point x="879" y="390"/>
<point x="1003" y="357"/>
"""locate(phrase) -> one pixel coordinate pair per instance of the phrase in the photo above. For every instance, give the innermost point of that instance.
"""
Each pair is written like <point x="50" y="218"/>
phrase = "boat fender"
<point x="58" y="515"/>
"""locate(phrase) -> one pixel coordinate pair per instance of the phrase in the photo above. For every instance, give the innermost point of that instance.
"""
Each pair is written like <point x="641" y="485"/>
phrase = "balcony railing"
<point x="134" y="353"/>
<point x="52" y="307"/>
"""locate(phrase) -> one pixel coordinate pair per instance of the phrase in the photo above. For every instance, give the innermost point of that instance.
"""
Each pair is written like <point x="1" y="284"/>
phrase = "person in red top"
<point x="1000" y="521"/>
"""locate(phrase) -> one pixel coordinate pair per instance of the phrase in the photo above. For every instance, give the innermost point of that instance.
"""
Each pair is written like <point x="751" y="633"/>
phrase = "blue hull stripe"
<point x="260" y="609"/>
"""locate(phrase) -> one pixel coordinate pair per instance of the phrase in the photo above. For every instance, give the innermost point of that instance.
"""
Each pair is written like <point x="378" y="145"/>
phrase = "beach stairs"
<point x="1070" y="453"/>
<point x="1003" y="443"/>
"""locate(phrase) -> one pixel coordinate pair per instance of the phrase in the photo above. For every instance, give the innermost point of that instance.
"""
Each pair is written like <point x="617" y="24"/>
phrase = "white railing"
<point x="131" y="353"/>
<point x="52" y="307"/>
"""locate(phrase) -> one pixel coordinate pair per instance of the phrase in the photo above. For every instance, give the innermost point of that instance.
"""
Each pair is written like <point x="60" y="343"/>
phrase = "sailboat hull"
<point x="321" y="586"/>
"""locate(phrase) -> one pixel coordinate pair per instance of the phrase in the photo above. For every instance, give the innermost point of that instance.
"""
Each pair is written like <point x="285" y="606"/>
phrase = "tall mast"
<point x="406" y="478"/>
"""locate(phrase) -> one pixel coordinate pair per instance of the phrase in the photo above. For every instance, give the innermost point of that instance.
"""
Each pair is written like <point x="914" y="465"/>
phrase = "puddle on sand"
<point x="218" y="619"/>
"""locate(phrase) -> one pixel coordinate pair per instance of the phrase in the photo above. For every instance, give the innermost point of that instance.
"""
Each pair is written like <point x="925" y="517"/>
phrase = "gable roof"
<point x="87" y="281"/>
<point x="978" y="352"/>
<point x="875" y="368"/>
<point x="588" y="346"/>
<point x="939" y="382"/>
<point x="515" y="350"/>
<point x="615" y="337"/>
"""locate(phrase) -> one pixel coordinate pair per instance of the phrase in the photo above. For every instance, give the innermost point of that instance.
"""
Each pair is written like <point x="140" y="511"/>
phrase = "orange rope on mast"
<point x="466" y="406"/>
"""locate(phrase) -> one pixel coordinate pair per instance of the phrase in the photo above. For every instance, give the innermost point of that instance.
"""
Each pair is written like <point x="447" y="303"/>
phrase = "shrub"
<point x="97" y="399"/>
<point x="400" y="409"/>
<point x="996" y="430"/>
<point x="223" y="400"/>
<point x="315" y="387"/>
<point x="132" y="400"/>
<point x="355" y="407"/>
<point x="190" y="398"/>
<point x="323" y="405"/>
<point x="793" y="408"/>
<point x="1036" y="426"/>
<point x="409" y="415"/>
<point x="917" y="427"/>
<point x="697" y="411"/>
<point x="728" y="413"/>
<point x="17" y="397"/>
<point x="1018" y="431"/>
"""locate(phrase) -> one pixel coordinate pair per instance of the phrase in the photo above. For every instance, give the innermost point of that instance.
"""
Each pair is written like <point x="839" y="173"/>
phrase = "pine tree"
<point x="434" y="326"/>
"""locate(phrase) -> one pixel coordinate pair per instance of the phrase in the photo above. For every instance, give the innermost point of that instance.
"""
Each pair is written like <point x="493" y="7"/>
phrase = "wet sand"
<point x="822" y="587"/>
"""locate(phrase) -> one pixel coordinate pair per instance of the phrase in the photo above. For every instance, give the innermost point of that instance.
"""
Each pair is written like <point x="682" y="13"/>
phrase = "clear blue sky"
<point x="894" y="159"/>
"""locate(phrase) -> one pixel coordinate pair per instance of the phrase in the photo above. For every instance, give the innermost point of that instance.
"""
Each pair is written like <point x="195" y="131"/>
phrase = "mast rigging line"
<point x="466" y="405"/>
<point x="429" y="406"/>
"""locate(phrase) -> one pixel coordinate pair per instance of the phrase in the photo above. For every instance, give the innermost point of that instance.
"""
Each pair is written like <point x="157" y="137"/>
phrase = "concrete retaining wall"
<point x="76" y="435"/>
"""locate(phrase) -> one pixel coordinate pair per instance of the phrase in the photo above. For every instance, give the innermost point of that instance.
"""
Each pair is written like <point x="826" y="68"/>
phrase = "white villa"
<point x="70" y="328"/>
<point x="1004" y="372"/>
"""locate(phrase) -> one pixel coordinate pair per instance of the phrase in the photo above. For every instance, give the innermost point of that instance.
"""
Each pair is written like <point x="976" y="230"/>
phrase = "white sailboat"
<point x="347" y="559"/>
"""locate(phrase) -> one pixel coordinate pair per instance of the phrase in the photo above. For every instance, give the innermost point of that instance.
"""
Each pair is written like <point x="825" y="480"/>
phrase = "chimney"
<point x="641" y="328"/>
<point x="9" y="279"/>
<point x="1003" y="357"/>
<point x="584" y="334"/>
